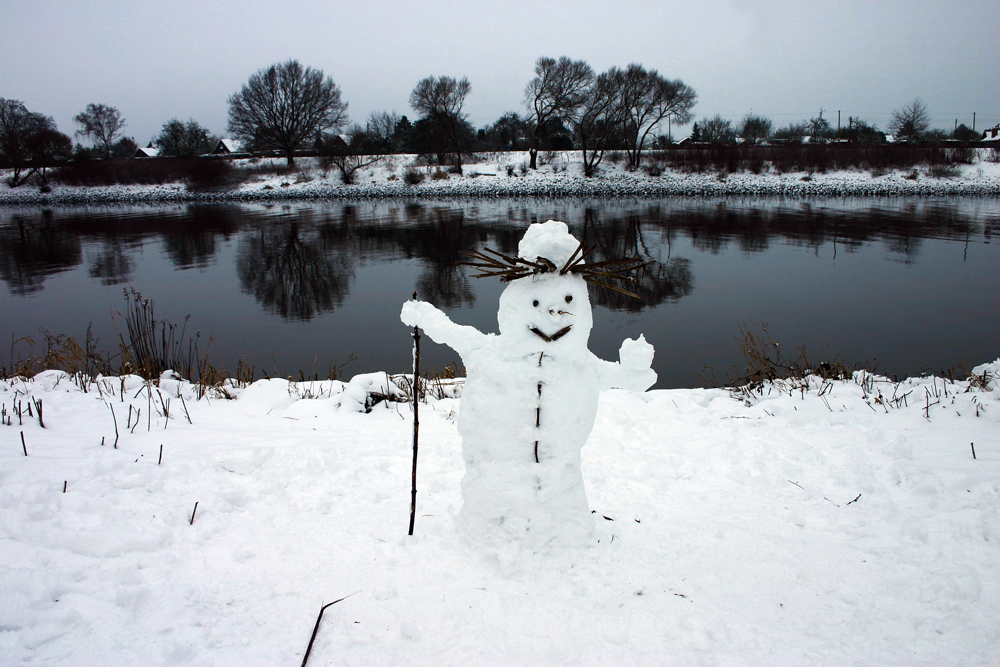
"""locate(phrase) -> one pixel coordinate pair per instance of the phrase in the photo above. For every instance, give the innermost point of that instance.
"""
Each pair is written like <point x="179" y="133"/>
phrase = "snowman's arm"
<point x="440" y="328"/>
<point x="633" y="372"/>
<point x="615" y="376"/>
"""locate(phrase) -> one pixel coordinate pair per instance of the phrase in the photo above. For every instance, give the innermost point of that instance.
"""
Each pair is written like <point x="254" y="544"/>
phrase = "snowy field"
<point x="559" y="174"/>
<point x="818" y="523"/>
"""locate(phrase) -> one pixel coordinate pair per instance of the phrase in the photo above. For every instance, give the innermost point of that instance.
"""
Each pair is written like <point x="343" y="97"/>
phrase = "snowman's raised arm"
<point x="440" y="328"/>
<point x="634" y="371"/>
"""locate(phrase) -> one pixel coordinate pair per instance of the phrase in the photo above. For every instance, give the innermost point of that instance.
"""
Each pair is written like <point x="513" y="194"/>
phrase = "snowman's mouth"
<point x="554" y="337"/>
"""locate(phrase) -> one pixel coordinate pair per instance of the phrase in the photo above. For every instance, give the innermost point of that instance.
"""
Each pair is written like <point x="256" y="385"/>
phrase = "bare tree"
<point x="346" y="153"/>
<point x="509" y="132"/>
<point x="717" y="130"/>
<point x="819" y="129"/>
<point x="28" y="141"/>
<point x="793" y="133"/>
<point x="47" y="146"/>
<point x="284" y="105"/>
<point x="554" y="95"/>
<point x="101" y="124"/>
<point x="598" y="121"/>
<point x="382" y="123"/>
<point x="440" y="101"/>
<point x="381" y="130"/>
<point x="178" y="139"/>
<point x="647" y="99"/>
<point x="16" y="125"/>
<point x="755" y="129"/>
<point x="911" y="121"/>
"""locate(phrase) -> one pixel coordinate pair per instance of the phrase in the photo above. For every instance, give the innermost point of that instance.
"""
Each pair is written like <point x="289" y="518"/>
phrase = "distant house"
<point x="229" y="147"/>
<point x="992" y="134"/>
<point x="147" y="151"/>
<point x="340" y="141"/>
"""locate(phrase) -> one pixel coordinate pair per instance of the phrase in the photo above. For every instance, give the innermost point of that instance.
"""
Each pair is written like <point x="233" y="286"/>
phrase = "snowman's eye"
<point x="535" y="303"/>
<point x="569" y="298"/>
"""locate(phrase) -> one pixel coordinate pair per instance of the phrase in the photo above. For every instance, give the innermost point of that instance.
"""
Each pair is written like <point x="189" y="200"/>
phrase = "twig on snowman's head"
<point x="507" y="268"/>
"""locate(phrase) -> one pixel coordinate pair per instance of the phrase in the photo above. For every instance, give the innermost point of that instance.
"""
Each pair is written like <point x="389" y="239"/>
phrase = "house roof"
<point x="229" y="146"/>
<point x="146" y="151"/>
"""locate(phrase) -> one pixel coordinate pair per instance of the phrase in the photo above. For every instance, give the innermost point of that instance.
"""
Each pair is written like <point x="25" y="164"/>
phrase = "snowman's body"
<point x="530" y="400"/>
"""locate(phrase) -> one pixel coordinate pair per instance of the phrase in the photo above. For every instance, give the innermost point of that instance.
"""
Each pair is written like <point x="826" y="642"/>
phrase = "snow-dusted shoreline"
<point x="813" y="522"/>
<point x="559" y="179"/>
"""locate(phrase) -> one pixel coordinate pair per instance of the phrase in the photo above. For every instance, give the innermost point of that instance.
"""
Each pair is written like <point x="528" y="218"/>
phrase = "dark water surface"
<point x="913" y="284"/>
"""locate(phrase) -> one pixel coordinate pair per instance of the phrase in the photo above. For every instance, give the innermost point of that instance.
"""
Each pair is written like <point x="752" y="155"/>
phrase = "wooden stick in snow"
<point x="416" y="421"/>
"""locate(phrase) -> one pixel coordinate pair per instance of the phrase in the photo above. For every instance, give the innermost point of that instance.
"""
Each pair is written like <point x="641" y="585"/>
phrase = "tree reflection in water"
<point x="192" y="241"/>
<point x="33" y="248"/>
<point x="292" y="272"/>
<point x="439" y="237"/>
<point x="110" y="263"/>
<point x="662" y="279"/>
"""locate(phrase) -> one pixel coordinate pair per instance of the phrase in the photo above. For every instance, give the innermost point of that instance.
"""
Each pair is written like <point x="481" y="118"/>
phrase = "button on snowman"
<point x="531" y="392"/>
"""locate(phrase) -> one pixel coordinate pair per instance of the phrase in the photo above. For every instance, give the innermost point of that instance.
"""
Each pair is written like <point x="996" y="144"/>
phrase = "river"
<point x="906" y="285"/>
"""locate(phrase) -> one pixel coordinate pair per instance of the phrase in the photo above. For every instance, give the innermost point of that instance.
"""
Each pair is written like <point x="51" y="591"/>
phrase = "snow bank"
<point x="820" y="523"/>
<point x="563" y="178"/>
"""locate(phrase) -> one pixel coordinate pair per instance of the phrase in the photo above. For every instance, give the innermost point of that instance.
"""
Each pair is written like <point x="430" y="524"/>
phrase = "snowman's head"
<point x="547" y="309"/>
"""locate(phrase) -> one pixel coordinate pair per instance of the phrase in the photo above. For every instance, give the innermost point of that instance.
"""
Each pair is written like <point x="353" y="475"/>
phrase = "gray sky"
<point x="156" y="60"/>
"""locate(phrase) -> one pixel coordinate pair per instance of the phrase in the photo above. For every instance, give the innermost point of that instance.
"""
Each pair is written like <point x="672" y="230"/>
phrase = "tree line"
<point x="288" y="107"/>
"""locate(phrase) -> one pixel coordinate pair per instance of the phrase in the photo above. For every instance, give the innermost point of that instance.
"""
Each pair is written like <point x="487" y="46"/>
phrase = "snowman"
<point x="531" y="392"/>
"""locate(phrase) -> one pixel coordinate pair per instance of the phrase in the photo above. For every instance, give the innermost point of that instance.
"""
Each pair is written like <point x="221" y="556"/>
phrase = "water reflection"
<point x="34" y="247"/>
<point x="664" y="278"/>
<point x="109" y="263"/>
<point x="299" y="262"/>
<point x="438" y="236"/>
<point x="293" y="272"/>
<point x="192" y="240"/>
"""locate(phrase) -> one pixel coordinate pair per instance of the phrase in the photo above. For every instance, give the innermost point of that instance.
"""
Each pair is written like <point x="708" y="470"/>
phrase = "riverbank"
<point x="813" y="522"/>
<point x="506" y="175"/>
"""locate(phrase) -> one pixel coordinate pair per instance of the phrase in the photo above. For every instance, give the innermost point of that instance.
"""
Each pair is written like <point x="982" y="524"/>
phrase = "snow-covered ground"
<point x="486" y="175"/>
<point x="831" y="523"/>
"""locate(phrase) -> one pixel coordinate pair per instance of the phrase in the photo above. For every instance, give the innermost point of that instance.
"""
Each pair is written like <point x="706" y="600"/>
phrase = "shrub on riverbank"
<point x="198" y="173"/>
<point x="809" y="157"/>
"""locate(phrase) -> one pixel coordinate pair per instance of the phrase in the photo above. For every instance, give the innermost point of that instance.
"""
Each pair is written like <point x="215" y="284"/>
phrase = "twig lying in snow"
<point x="316" y="627"/>
<point x="193" y="513"/>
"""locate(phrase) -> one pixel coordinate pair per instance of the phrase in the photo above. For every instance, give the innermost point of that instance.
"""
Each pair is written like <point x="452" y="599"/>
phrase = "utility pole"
<point x="838" y="122"/>
<point x="973" y="121"/>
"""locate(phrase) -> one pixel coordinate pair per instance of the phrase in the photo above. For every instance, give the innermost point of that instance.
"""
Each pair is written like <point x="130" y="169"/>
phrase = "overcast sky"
<point x="157" y="60"/>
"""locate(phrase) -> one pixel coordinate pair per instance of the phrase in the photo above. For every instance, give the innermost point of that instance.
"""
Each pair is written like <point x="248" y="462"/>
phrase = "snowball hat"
<point x="550" y="240"/>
